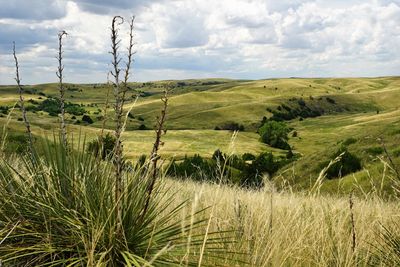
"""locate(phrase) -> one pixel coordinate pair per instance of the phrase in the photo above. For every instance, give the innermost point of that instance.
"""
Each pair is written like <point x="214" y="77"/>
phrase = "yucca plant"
<point x="58" y="210"/>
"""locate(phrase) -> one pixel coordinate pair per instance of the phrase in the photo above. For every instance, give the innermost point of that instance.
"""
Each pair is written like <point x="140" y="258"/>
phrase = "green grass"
<point x="198" y="106"/>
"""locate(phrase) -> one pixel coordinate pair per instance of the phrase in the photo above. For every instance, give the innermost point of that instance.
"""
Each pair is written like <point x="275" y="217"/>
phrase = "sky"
<point x="181" y="39"/>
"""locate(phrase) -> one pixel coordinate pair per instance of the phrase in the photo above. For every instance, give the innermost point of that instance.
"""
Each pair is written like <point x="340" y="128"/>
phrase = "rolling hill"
<point x="363" y="109"/>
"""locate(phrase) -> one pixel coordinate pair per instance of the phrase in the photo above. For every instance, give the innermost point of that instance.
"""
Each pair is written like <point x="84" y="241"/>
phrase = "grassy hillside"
<point x="361" y="108"/>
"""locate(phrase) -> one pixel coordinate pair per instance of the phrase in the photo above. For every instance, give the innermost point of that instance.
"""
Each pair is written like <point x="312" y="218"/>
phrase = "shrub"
<point x="219" y="156"/>
<point x="330" y="100"/>
<point x="74" y="109"/>
<point x="248" y="156"/>
<point x="194" y="167"/>
<point x="236" y="162"/>
<point x="52" y="106"/>
<point x="348" y="163"/>
<point x="301" y="102"/>
<point x="87" y="119"/>
<point x="253" y="173"/>
<point x="275" y="134"/>
<point x="289" y="154"/>
<point x="297" y="107"/>
<point x="102" y="146"/>
<point x="142" y="127"/>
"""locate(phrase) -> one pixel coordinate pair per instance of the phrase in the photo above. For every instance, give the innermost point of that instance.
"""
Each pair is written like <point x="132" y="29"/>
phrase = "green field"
<point x="364" y="109"/>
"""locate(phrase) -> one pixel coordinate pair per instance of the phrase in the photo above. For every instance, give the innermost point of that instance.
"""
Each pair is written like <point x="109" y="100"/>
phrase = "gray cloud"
<point x="32" y="9"/>
<point x="24" y="36"/>
<point x="111" y="6"/>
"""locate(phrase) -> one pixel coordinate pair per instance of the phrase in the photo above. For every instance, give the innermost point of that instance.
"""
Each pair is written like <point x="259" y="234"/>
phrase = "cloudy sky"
<point x="177" y="39"/>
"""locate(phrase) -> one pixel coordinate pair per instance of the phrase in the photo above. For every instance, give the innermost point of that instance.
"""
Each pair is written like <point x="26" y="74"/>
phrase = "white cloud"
<point x="237" y="38"/>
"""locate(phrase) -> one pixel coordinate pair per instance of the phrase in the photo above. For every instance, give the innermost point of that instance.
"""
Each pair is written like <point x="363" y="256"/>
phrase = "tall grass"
<point x="308" y="229"/>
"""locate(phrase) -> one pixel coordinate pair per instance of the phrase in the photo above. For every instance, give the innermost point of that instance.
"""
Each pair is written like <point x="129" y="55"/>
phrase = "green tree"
<point x="275" y="134"/>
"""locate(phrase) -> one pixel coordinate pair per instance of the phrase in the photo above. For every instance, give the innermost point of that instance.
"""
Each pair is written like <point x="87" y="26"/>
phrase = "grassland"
<point x="198" y="106"/>
<point x="273" y="226"/>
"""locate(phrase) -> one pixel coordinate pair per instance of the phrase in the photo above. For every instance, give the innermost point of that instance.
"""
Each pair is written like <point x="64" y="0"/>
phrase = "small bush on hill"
<point x="102" y="146"/>
<point x="347" y="164"/>
<point x="87" y="119"/>
<point x="52" y="106"/>
<point x="219" y="156"/>
<point x="330" y="100"/>
<point x="195" y="167"/>
<point x="263" y="164"/>
<point x="275" y="134"/>
<point x="297" y="107"/>
<point x="142" y="127"/>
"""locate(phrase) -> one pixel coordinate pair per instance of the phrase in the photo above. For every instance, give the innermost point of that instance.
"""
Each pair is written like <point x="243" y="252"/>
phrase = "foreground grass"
<point x="58" y="210"/>
<point x="294" y="229"/>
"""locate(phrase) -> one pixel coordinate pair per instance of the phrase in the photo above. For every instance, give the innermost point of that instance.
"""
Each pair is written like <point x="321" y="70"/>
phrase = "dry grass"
<point x="305" y="230"/>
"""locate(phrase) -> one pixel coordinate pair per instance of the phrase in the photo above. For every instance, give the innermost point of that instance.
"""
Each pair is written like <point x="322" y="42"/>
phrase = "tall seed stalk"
<point x="59" y="74"/>
<point x="22" y="102"/>
<point x="120" y="89"/>
<point x="154" y="157"/>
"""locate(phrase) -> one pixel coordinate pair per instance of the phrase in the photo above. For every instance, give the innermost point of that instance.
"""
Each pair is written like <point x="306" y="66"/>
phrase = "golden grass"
<point x="297" y="229"/>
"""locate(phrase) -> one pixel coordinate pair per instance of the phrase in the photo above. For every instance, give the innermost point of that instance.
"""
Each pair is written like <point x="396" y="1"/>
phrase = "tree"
<point x="275" y="134"/>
